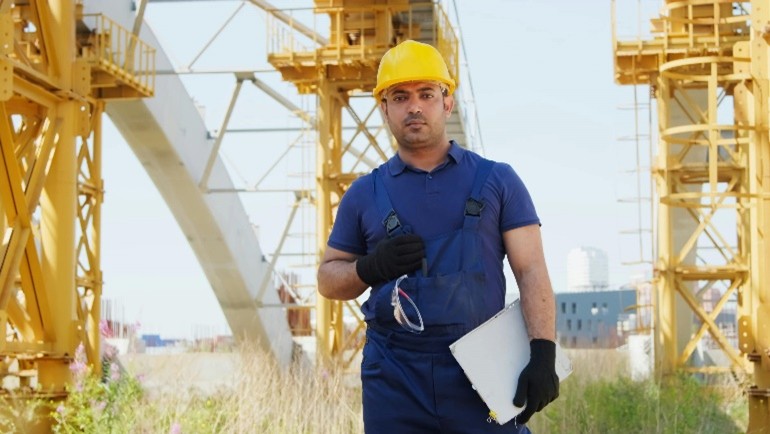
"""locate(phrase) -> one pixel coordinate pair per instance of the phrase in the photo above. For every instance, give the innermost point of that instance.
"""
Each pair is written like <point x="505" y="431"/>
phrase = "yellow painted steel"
<point x="51" y="186"/>
<point x="122" y="65"/>
<point x="755" y="318"/>
<point x="709" y="172"/>
<point x="360" y="33"/>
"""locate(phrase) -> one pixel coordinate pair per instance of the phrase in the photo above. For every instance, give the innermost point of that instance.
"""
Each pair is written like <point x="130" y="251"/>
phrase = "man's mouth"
<point x="414" y="120"/>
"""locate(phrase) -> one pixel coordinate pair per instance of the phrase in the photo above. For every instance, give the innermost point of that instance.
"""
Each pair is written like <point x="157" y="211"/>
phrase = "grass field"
<point x="260" y="397"/>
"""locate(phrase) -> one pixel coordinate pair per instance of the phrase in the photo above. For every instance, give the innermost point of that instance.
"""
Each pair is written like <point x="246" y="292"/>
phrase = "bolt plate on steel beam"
<point x="757" y="392"/>
<point x="6" y="48"/>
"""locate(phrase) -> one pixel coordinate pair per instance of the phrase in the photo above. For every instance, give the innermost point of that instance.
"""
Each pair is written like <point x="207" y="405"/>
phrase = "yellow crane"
<point x="346" y="65"/>
<point x="704" y="55"/>
<point x="58" y="68"/>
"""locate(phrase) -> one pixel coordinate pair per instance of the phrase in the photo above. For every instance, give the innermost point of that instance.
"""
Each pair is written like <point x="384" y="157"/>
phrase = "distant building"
<point x="153" y="340"/>
<point x="595" y="319"/>
<point x="587" y="270"/>
<point x="605" y="319"/>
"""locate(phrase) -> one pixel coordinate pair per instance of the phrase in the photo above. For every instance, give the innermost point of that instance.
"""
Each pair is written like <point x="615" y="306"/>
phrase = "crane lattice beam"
<point x="703" y="53"/>
<point x="56" y="72"/>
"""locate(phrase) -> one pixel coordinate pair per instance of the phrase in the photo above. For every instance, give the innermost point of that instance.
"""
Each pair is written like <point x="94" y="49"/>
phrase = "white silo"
<point x="587" y="269"/>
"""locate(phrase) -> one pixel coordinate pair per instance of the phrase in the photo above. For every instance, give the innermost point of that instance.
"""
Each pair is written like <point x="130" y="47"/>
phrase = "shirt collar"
<point x="396" y="165"/>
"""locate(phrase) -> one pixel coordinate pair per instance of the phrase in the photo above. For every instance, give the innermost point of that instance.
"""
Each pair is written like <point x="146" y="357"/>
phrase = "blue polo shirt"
<point x="433" y="203"/>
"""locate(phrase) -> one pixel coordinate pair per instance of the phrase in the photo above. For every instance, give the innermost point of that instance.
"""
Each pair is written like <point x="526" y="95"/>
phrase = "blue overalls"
<point x="411" y="382"/>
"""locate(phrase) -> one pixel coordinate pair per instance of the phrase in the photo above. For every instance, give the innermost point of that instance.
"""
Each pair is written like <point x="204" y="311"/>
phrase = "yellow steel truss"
<point x="712" y="182"/>
<point x="51" y="186"/>
<point x="753" y="109"/>
<point x="344" y="65"/>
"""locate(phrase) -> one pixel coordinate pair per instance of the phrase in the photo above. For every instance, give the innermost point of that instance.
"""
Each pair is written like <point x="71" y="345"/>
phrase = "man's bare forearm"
<point x="524" y="247"/>
<point x="538" y="304"/>
<point x="338" y="280"/>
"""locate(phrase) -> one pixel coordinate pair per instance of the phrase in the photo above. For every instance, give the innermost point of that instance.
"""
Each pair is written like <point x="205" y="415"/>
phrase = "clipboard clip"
<point x="492" y="417"/>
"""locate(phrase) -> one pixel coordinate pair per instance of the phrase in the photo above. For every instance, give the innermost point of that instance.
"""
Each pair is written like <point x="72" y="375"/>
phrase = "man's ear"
<point x="384" y="107"/>
<point x="449" y="104"/>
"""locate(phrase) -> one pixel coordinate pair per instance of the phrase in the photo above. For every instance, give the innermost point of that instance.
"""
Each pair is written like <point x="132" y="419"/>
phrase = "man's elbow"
<point x="326" y="284"/>
<point x="323" y="284"/>
<point x="325" y="291"/>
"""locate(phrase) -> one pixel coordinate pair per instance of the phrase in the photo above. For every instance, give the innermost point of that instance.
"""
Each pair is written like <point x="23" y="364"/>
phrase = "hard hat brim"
<point x="382" y="87"/>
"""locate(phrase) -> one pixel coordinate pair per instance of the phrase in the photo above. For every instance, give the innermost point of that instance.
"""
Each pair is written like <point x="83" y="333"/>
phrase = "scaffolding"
<point x="706" y="65"/>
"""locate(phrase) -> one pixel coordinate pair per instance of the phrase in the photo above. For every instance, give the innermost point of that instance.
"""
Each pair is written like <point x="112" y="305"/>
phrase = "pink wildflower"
<point x="80" y="352"/>
<point x="110" y="351"/>
<point x="104" y="328"/>
<point x="176" y="428"/>
<point x="98" y="405"/>
<point x="78" y="365"/>
<point x="114" y="372"/>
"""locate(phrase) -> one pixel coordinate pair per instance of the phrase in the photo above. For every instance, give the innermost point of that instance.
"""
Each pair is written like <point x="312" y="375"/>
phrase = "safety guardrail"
<point x="352" y="35"/>
<point x="352" y="30"/>
<point x="116" y="50"/>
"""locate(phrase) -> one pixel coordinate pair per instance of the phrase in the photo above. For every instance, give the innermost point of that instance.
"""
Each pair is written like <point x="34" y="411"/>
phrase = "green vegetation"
<point x="263" y="398"/>
<point x="97" y="403"/>
<point x="598" y="398"/>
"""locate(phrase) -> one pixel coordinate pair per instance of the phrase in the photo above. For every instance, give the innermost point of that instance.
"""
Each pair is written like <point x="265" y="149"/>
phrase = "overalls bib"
<point x="411" y="382"/>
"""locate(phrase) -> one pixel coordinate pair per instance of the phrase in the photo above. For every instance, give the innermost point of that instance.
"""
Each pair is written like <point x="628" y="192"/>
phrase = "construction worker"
<point x="428" y="231"/>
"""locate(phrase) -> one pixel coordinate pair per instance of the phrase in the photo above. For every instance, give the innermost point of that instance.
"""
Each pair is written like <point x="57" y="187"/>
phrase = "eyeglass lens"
<point x="405" y="311"/>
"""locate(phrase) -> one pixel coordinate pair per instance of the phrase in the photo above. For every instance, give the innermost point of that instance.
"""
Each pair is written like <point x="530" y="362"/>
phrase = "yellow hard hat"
<point x="412" y="61"/>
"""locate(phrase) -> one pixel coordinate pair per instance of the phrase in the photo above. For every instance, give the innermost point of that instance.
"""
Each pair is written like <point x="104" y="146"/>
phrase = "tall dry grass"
<point x="248" y="392"/>
<point x="260" y="397"/>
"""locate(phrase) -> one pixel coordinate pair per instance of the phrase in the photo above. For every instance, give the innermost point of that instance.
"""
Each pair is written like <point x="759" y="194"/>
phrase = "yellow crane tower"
<point x="360" y="33"/>
<point x="57" y="69"/>
<point x="712" y="181"/>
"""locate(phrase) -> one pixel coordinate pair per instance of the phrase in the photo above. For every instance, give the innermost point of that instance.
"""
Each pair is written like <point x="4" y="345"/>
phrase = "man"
<point x="428" y="231"/>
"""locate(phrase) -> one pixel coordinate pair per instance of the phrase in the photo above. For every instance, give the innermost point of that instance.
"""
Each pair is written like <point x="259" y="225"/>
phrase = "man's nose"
<point x="415" y="107"/>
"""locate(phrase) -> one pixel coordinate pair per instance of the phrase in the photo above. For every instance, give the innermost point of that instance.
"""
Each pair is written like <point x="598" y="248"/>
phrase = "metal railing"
<point x="118" y="51"/>
<point x="352" y="31"/>
<point x="351" y="38"/>
<point x="704" y="23"/>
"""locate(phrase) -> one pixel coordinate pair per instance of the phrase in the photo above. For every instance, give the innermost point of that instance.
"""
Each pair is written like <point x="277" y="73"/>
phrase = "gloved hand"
<point x="538" y="382"/>
<point x="392" y="258"/>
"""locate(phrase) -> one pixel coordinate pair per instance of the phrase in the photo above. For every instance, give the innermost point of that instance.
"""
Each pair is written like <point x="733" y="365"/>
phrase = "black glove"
<point x="392" y="258"/>
<point x="538" y="382"/>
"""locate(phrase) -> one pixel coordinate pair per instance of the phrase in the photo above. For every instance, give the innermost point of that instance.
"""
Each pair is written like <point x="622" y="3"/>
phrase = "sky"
<point x="542" y="76"/>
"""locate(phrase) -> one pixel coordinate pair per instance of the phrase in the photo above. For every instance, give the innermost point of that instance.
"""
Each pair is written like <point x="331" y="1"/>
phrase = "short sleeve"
<point x="347" y="234"/>
<point x="517" y="208"/>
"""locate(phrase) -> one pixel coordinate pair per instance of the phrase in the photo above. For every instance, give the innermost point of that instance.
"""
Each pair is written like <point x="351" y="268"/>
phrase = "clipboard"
<point x="493" y="356"/>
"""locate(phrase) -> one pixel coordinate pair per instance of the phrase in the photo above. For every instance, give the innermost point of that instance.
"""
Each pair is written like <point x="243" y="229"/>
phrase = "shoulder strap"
<point x="475" y="204"/>
<point x="390" y="221"/>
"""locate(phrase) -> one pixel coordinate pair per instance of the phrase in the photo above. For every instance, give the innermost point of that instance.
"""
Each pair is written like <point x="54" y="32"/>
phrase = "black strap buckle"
<point x="473" y="207"/>
<point x="391" y="222"/>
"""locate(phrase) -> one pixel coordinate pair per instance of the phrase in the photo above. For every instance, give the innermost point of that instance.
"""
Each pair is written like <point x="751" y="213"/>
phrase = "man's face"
<point x="417" y="113"/>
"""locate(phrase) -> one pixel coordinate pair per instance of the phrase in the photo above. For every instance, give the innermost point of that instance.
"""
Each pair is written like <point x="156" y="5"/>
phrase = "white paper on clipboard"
<point x="493" y="356"/>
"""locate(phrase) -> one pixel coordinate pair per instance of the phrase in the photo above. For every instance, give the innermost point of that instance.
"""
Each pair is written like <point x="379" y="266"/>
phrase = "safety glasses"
<point x="406" y="314"/>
